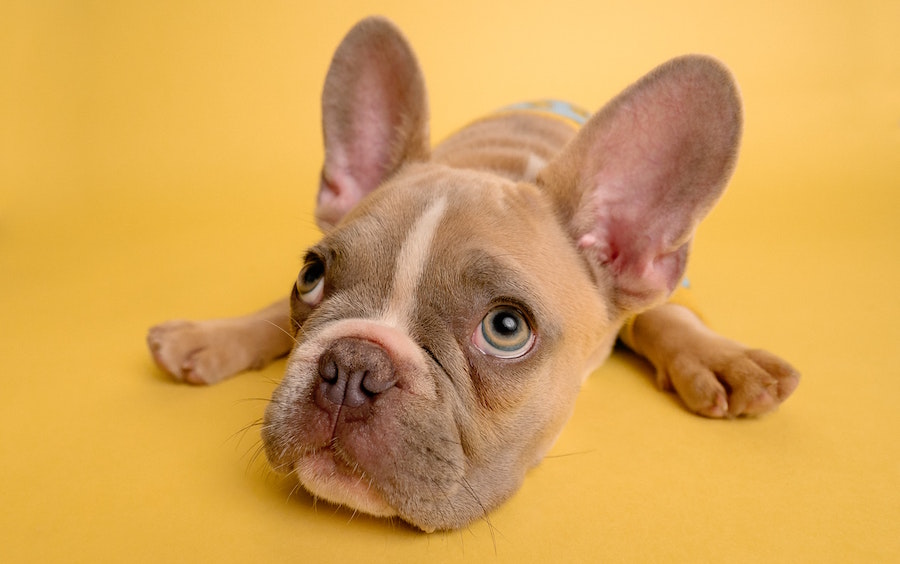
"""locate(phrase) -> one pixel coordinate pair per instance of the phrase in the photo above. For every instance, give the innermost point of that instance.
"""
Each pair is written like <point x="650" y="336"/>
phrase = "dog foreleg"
<point x="206" y="352"/>
<point x="714" y="376"/>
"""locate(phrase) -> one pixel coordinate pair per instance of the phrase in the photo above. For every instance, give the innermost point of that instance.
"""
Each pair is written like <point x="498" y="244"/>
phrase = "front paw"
<point x="716" y="377"/>
<point x="195" y="352"/>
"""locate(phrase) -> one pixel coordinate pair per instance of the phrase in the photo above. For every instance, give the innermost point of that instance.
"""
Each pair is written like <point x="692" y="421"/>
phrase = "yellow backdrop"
<point x="159" y="159"/>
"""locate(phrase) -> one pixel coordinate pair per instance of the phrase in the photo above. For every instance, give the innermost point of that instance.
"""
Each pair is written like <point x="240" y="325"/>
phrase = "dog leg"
<point x="714" y="376"/>
<point x="206" y="352"/>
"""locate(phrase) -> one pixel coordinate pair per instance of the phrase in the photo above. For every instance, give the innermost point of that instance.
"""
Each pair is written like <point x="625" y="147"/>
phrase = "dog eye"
<point x="504" y="333"/>
<point x="311" y="282"/>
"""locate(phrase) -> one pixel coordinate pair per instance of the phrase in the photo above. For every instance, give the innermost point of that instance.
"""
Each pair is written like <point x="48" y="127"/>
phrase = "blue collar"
<point x="557" y="108"/>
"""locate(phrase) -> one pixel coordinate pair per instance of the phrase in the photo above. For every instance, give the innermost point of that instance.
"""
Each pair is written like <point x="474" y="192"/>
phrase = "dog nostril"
<point x="353" y="372"/>
<point x="378" y="382"/>
<point x="328" y="369"/>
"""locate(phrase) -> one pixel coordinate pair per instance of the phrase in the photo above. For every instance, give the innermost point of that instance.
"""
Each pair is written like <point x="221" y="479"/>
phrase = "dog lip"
<point x="328" y="476"/>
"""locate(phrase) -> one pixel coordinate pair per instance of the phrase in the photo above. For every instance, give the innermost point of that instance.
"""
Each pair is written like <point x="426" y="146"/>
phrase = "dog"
<point x="441" y="329"/>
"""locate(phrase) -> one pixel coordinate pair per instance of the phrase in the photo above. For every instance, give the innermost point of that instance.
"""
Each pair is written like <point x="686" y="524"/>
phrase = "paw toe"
<point x="198" y="368"/>
<point x="760" y="381"/>
<point x="785" y="377"/>
<point x="174" y="347"/>
<point x="699" y="389"/>
<point x="731" y="381"/>
<point x="202" y="353"/>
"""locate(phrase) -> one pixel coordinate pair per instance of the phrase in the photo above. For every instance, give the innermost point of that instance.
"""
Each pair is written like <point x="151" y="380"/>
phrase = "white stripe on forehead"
<point x="410" y="263"/>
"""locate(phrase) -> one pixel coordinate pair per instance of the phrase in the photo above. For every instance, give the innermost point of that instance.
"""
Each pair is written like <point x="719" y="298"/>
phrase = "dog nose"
<point x="353" y="371"/>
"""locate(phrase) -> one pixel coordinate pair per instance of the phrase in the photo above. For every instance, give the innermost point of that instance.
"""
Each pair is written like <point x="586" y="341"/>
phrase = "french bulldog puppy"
<point x="441" y="329"/>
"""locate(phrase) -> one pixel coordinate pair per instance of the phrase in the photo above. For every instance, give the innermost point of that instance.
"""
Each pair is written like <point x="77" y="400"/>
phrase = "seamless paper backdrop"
<point x="160" y="160"/>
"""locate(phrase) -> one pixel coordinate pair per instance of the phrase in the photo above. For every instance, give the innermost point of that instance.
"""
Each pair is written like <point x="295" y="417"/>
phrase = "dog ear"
<point x="634" y="183"/>
<point x="374" y="116"/>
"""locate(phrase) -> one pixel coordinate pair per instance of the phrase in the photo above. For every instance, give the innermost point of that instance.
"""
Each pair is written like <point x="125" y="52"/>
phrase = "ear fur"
<point x="374" y="116"/>
<point x="640" y="175"/>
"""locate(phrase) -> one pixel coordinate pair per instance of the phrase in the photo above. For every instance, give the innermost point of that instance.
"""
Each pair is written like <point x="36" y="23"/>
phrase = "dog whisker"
<point x="264" y="400"/>
<point x="260" y="449"/>
<point x="294" y="490"/>
<point x="242" y="432"/>
<point x="280" y="328"/>
<point x="484" y="513"/>
<point x="568" y="454"/>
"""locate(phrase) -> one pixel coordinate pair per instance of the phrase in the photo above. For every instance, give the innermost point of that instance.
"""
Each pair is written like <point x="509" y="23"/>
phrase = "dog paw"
<point x="203" y="352"/>
<point x="716" y="377"/>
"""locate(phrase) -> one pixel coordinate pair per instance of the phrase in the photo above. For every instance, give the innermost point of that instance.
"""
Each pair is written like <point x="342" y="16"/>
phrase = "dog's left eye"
<point x="504" y="333"/>
<point x="311" y="282"/>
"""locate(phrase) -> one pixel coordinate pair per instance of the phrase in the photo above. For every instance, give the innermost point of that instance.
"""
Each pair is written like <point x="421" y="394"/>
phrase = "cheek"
<point x="525" y="414"/>
<point x="501" y="387"/>
<point x="551" y="407"/>
<point x="520" y="391"/>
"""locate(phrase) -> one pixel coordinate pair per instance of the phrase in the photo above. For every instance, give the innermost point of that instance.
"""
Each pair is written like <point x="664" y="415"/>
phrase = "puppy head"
<point x="448" y="317"/>
<point x="439" y="356"/>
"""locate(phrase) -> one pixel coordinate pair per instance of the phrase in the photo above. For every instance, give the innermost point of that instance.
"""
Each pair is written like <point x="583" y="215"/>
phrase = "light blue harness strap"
<point x="556" y="107"/>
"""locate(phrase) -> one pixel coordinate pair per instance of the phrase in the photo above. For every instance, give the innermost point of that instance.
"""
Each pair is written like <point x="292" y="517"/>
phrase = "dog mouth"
<point x="328" y="475"/>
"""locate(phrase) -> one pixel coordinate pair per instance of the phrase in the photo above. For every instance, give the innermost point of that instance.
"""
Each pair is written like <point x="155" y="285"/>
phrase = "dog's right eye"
<point x="311" y="282"/>
<point x="504" y="333"/>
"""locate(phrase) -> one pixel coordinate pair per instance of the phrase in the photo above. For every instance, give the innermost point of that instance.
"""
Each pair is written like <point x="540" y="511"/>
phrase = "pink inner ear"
<point x="651" y="164"/>
<point x="338" y="194"/>
<point x="366" y="145"/>
<point x="374" y="116"/>
<point x="357" y="147"/>
<point x="639" y="281"/>
<point x="643" y="268"/>
<point x="357" y="150"/>
<point x="649" y="195"/>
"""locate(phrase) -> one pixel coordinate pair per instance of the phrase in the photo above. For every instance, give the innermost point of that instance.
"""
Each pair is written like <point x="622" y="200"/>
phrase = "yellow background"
<point x="159" y="159"/>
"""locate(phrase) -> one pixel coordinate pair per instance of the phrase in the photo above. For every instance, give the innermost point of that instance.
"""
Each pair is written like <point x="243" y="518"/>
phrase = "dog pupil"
<point x="313" y="272"/>
<point x="506" y="324"/>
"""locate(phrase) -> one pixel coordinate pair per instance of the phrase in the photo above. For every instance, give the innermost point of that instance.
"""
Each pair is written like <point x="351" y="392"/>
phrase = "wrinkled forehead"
<point x="434" y="212"/>
<point x="455" y="232"/>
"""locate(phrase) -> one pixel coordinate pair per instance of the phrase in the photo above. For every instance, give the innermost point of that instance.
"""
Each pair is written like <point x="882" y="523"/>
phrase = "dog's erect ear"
<point x="640" y="175"/>
<point x="374" y="116"/>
